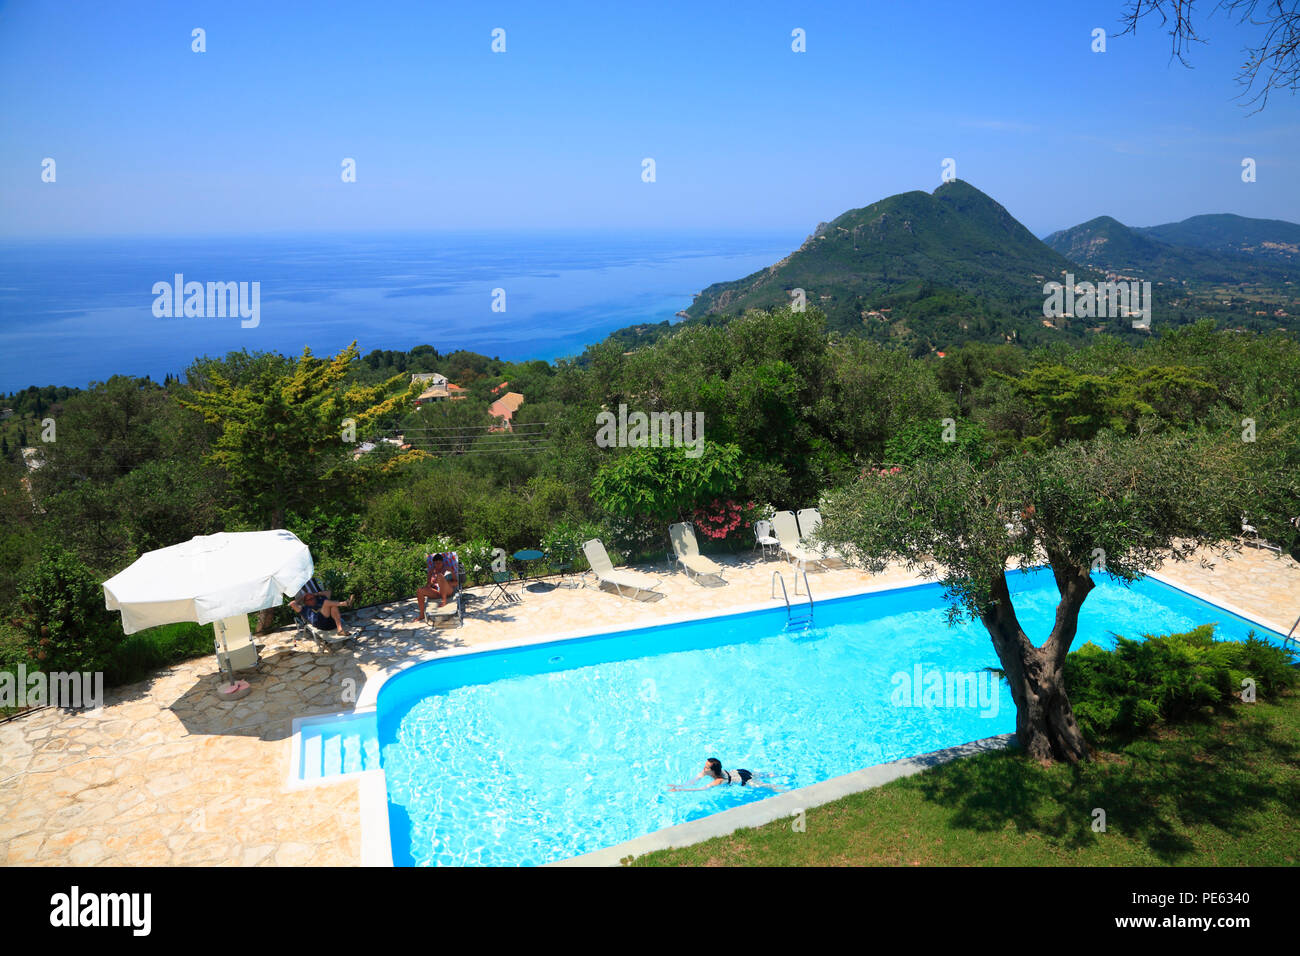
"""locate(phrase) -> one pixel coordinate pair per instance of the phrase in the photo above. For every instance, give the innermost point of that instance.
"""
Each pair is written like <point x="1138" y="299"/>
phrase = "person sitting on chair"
<point x="320" y="611"/>
<point x="443" y="582"/>
<point x="452" y="560"/>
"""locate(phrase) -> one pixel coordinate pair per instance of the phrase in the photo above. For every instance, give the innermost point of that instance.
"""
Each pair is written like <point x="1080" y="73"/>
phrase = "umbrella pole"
<point x="232" y="689"/>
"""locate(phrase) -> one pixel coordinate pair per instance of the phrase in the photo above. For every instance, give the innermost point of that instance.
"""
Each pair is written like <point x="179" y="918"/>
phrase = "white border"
<point x="376" y="841"/>
<point x="369" y="695"/>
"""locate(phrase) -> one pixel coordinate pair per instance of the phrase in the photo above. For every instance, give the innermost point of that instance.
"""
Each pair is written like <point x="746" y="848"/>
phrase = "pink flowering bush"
<point x="720" y="518"/>
<point x="871" y="470"/>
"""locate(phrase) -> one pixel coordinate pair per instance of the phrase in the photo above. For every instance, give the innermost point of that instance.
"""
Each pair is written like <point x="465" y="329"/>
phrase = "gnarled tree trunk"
<point x="1045" y="724"/>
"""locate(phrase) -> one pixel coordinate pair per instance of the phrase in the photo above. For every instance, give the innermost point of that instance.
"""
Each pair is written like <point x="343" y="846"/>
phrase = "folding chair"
<point x="325" y="640"/>
<point x="766" y="541"/>
<point x="455" y="608"/>
<point x="500" y="580"/>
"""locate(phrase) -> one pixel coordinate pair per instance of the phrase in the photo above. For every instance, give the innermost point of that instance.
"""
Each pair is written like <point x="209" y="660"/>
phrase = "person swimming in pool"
<point x="713" y="768"/>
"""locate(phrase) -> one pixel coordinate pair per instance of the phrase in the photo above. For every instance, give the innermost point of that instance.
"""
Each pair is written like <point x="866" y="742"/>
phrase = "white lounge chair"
<point x="787" y="532"/>
<point x="810" y="519"/>
<point x="688" y="554"/>
<point x="606" y="573"/>
<point x="1250" y="535"/>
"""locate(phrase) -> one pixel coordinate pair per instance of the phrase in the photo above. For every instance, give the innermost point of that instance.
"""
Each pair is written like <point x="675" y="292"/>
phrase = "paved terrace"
<point x="165" y="774"/>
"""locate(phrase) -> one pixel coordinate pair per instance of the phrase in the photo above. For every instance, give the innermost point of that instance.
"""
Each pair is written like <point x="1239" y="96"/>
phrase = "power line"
<point x="397" y="427"/>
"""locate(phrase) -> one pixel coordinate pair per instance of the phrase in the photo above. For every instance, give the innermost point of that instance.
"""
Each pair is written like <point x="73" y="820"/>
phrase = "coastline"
<point x="564" y="292"/>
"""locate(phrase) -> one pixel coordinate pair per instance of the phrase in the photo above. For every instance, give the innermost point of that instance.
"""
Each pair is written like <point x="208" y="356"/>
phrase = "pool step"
<point x="799" y="623"/>
<point x="337" y="747"/>
<point x="793" y="619"/>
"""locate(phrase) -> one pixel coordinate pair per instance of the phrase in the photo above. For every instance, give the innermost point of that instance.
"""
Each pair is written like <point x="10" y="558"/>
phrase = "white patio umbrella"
<point x="214" y="579"/>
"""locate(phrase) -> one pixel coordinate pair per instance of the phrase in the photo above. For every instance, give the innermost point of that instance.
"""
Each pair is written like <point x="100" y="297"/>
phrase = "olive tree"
<point x="1112" y="505"/>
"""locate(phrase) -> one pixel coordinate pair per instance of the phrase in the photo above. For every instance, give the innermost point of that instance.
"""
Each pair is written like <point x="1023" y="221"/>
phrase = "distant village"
<point x="438" y="389"/>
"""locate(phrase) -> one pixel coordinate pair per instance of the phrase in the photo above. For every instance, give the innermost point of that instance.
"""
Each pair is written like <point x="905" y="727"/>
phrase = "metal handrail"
<point x="789" y="611"/>
<point x="1292" y="631"/>
<point x="778" y="576"/>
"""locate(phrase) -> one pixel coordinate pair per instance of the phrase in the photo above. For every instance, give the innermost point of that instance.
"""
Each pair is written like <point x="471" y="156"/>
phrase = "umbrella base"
<point x="234" y="691"/>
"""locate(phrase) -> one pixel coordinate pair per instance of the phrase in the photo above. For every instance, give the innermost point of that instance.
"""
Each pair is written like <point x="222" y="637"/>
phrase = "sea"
<point x="76" y="311"/>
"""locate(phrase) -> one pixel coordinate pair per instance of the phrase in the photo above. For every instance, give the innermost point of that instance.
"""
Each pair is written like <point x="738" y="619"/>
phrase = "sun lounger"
<point x="1250" y="535"/>
<point x="810" y="519"/>
<point x="606" y="573"/>
<point x="787" y="532"/>
<point x="688" y="554"/>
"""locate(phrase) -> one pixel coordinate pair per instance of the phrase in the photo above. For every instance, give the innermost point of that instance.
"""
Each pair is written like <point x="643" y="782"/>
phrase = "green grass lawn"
<point x="146" y="651"/>
<point x="138" y="656"/>
<point x="1220" y="792"/>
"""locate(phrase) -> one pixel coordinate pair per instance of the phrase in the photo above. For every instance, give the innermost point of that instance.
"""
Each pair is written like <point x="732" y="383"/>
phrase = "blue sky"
<point x="152" y="139"/>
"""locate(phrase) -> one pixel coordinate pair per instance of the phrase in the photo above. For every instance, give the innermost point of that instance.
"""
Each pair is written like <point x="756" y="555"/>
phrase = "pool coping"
<point x="376" y="848"/>
<point x="369" y="695"/>
<point x="1216" y="602"/>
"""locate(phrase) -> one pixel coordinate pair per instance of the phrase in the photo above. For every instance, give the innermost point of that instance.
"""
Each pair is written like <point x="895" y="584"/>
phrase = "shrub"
<point x="1169" y="678"/>
<point x="504" y="519"/>
<point x="430" y="505"/>
<point x="476" y="559"/>
<point x="13" y="648"/>
<point x="665" y="483"/>
<point x="917" y="441"/>
<point x="635" y="540"/>
<point x="379" y="570"/>
<point x="66" y="625"/>
<point x="564" y="541"/>
<point x="330" y="531"/>
<point x="726" y="522"/>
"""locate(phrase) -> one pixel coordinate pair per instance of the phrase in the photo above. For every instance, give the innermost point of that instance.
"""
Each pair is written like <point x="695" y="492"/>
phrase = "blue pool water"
<point x="524" y="756"/>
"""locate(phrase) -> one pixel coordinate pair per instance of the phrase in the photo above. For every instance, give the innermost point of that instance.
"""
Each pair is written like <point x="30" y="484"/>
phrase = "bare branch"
<point x="1272" y="63"/>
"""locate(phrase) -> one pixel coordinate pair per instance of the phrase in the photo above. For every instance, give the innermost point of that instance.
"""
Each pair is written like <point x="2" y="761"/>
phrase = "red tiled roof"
<point x="506" y="406"/>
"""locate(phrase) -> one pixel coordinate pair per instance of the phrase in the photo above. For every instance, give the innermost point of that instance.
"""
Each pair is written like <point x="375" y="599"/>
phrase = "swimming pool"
<point x="528" y="755"/>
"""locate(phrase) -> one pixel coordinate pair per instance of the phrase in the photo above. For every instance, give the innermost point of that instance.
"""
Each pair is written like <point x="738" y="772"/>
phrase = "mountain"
<point x="1106" y="243"/>
<point x="1264" y="238"/>
<point x="926" y="271"/>
<point x="921" y="269"/>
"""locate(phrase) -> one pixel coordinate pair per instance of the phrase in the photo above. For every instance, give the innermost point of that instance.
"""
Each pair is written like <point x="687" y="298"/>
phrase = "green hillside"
<point x="1105" y="243"/>
<point x="924" y="270"/>
<point x="1264" y="238"/>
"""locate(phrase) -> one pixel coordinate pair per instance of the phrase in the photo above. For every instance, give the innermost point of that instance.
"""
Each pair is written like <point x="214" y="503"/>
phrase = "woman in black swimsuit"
<point x="713" y="768"/>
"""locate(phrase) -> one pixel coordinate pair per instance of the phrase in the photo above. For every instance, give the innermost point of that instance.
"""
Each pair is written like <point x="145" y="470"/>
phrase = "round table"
<point x="527" y="556"/>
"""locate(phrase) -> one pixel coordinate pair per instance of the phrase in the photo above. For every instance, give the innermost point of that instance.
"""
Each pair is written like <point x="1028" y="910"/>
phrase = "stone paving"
<point x="167" y="774"/>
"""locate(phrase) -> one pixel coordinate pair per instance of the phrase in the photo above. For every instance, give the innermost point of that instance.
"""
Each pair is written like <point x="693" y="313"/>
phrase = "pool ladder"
<point x="792" y="620"/>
